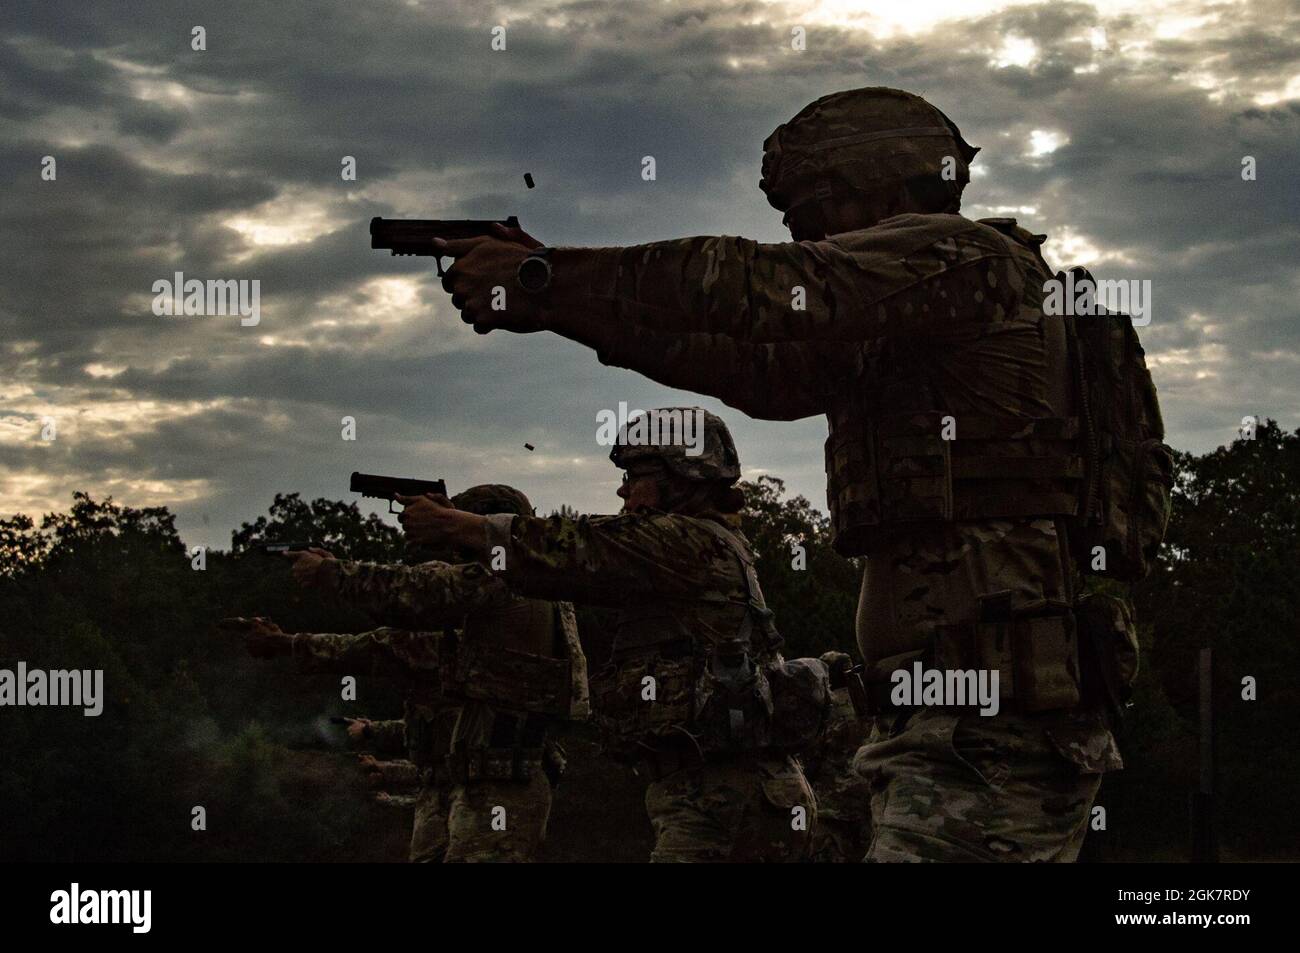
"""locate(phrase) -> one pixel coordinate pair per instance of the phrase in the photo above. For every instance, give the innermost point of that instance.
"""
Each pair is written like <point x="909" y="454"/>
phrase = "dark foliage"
<point x="189" y="720"/>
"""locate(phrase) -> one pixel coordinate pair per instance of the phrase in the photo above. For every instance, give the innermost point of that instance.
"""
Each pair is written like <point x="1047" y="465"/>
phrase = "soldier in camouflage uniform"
<point x="696" y="694"/>
<point x="843" y="796"/>
<point x="952" y="458"/>
<point x="481" y="699"/>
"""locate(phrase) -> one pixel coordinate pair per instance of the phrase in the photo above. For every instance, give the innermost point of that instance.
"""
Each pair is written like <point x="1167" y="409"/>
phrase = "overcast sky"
<point x="1118" y="128"/>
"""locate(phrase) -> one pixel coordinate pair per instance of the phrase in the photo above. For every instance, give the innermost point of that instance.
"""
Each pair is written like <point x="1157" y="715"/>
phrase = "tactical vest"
<point x="479" y="664"/>
<point x="1099" y="463"/>
<point x="507" y="696"/>
<point x="673" y="683"/>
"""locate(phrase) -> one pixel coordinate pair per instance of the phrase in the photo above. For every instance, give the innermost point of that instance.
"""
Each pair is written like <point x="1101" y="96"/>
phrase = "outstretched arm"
<point x="622" y="560"/>
<point x="384" y="651"/>
<point x="379" y="652"/>
<point x="830" y="290"/>
<point x="428" y="595"/>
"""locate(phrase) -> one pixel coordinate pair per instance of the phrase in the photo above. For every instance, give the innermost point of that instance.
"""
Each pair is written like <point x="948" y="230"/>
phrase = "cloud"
<point x="1118" y="128"/>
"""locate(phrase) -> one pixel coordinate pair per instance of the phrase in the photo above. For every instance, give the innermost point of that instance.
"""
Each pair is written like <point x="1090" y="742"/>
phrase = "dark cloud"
<point x="169" y="158"/>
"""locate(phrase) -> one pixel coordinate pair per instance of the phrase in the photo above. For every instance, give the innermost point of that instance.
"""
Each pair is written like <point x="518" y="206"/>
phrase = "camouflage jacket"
<point x="664" y="567"/>
<point x="920" y="313"/>
<point x="383" y="651"/>
<point x="511" y="652"/>
<point x="428" y="595"/>
<point x="387" y="737"/>
<point x="683" y="585"/>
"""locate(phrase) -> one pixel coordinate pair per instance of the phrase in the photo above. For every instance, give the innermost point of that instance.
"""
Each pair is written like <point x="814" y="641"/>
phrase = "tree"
<point x="812" y="589"/>
<point x="1227" y="580"/>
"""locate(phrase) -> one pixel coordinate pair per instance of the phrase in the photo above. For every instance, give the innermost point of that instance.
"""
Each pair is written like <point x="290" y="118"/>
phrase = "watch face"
<point x="534" y="274"/>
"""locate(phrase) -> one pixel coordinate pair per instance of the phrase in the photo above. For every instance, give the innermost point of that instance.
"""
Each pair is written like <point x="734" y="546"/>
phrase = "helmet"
<point x="489" y="498"/>
<point x="868" y="139"/>
<point x="689" y="441"/>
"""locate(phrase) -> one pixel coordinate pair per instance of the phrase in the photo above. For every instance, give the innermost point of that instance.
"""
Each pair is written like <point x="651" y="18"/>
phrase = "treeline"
<point x="190" y="721"/>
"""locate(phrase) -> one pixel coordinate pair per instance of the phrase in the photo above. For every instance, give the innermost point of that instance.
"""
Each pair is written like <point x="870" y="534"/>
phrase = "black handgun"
<point x="272" y="549"/>
<point x="414" y="236"/>
<point x="387" y="488"/>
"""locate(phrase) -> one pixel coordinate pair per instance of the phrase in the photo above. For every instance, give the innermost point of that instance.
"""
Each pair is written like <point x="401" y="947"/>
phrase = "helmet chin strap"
<point x="672" y="493"/>
<point x="822" y="198"/>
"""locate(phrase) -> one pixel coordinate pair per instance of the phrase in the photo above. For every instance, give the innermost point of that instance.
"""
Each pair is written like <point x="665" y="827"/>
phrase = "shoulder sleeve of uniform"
<point x="930" y="274"/>
<point x="389" y="736"/>
<point x="383" y="651"/>
<point x="834" y="290"/>
<point x="610" y="560"/>
<point x="765" y="380"/>
<point x="429" y="594"/>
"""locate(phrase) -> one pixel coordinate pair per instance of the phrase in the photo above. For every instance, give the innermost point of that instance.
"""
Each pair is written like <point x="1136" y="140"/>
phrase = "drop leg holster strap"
<point x="1035" y="651"/>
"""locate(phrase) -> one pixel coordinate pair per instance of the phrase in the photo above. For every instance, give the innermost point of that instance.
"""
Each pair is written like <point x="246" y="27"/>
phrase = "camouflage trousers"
<point x="484" y="821"/>
<point x="842" y="836"/>
<point x="961" y="788"/>
<point x="739" y="811"/>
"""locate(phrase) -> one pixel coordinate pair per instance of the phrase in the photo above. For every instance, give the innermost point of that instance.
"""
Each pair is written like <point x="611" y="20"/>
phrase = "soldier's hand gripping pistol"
<point x="416" y="236"/>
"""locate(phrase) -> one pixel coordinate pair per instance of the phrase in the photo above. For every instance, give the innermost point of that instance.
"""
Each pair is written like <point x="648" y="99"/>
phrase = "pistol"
<point x="273" y="549"/>
<point x="387" y="488"/>
<point x="414" y="236"/>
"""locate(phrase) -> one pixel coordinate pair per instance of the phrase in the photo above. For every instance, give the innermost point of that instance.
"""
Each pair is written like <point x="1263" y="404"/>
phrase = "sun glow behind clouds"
<point x="292" y="218"/>
<point x="1045" y="141"/>
<point x="1068" y="247"/>
<point x="1015" y="51"/>
<point x="1167" y="20"/>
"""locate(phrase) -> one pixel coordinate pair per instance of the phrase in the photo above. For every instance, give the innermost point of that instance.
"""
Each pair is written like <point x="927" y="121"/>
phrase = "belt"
<point x="1036" y="658"/>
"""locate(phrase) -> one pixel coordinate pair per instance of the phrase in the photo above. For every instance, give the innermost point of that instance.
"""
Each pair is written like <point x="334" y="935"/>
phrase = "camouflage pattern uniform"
<point x="386" y="736"/>
<point x="920" y="317"/>
<point x="684" y="586"/>
<point x="843" y="796"/>
<point x="397" y="773"/>
<point x="486" y="795"/>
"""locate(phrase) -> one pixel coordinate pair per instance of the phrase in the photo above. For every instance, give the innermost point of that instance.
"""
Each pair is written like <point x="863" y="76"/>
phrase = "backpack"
<point x="1128" y="469"/>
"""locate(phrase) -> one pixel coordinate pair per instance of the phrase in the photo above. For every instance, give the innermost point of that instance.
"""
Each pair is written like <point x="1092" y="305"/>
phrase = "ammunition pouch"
<point x="1035" y="652"/>
<point x="515" y="751"/>
<point x="1109" y="654"/>
<point x="428" y="729"/>
<point x="897" y="470"/>
<point x="667" y="690"/>
<point x="801" y="703"/>
<point x="493" y="764"/>
<point x="732" y="705"/>
<point x="649" y="696"/>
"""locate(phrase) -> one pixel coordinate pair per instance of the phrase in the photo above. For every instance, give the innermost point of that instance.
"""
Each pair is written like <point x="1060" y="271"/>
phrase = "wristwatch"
<point x="534" y="274"/>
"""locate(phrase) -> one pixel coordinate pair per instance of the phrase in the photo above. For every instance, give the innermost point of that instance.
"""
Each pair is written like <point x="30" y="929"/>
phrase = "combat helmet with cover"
<point x="690" y="442"/>
<point x="871" y="140"/>
<point x="489" y="498"/>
